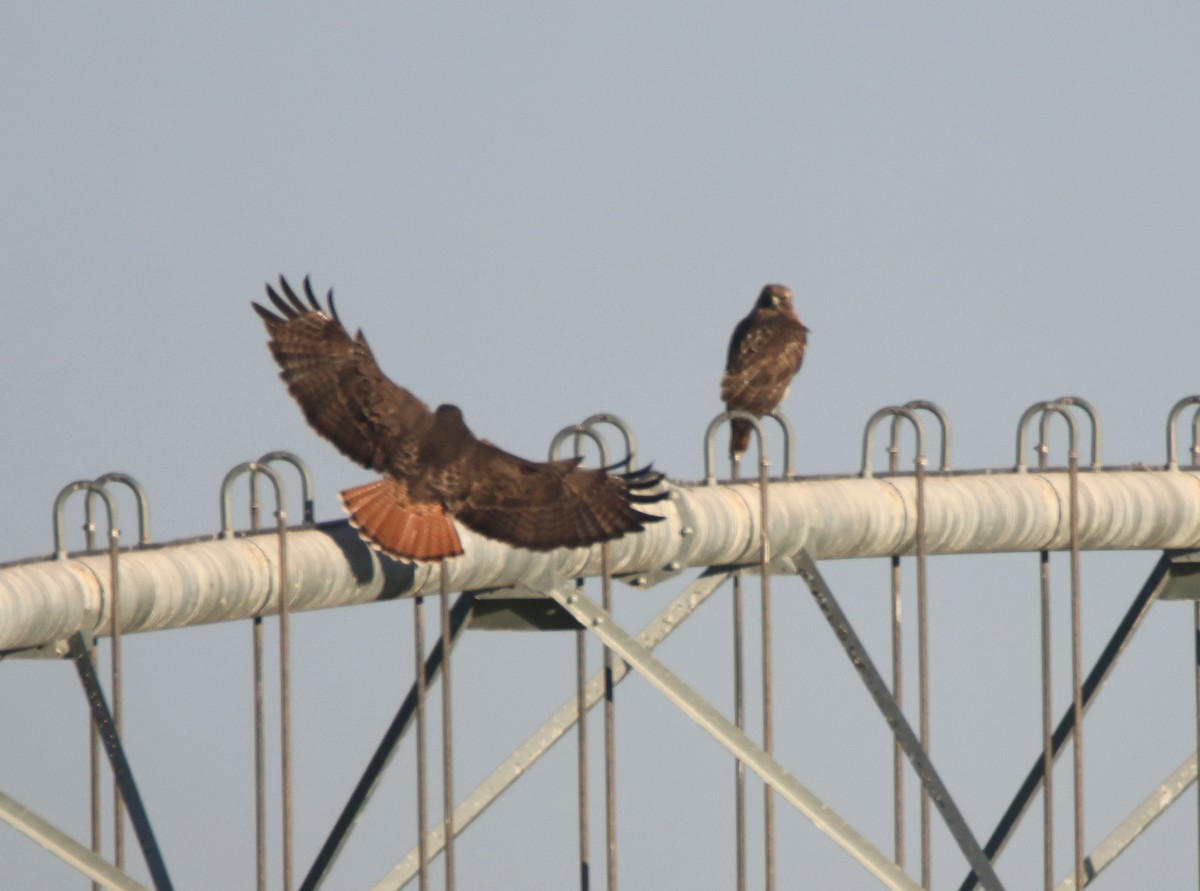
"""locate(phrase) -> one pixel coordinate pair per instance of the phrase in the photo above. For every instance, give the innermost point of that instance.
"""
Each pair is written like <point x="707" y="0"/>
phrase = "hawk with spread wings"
<point x="765" y="353"/>
<point x="433" y="467"/>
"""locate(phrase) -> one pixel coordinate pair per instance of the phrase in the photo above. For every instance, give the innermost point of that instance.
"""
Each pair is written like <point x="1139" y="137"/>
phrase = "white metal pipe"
<point x="202" y="581"/>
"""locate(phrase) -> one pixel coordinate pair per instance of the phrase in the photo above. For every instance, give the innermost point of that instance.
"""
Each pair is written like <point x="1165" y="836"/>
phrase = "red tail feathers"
<point x="384" y="515"/>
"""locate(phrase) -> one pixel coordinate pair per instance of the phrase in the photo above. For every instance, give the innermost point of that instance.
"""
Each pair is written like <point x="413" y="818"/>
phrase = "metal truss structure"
<point x="731" y="531"/>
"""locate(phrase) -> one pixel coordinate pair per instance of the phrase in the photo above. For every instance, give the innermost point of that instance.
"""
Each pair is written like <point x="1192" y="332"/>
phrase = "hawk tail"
<point x="391" y="522"/>
<point x="739" y="437"/>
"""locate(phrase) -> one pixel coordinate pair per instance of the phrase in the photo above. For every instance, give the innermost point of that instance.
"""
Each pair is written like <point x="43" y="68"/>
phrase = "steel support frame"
<point x="917" y="755"/>
<point x="1130" y="622"/>
<point x="540" y="742"/>
<point x="1139" y="820"/>
<point x="65" y="848"/>
<point x="1063" y="732"/>
<point x="122" y="773"/>
<point x="639" y="657"/>
<point x="460" y="612"/>
<point x="599" y="621"/>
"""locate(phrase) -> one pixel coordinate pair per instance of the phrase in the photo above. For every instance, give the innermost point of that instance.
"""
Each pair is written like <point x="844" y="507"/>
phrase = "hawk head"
<point x="775" y="297"/>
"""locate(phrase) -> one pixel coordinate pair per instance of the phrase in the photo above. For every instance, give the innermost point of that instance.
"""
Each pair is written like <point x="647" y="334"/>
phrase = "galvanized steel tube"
<point x="197" y="582"/>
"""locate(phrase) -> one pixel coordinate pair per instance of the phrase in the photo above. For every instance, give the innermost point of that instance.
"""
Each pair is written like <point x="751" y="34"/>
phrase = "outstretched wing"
<point x="764" y="355"/>
<point x="342" y="392"/>
<point x="549" y="505"/>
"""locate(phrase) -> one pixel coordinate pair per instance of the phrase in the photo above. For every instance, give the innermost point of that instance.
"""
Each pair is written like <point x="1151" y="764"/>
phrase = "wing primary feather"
<point x="267" y="316"/>
<point x="636" y="482"/>
<point x="648" y="470"/>
<point x="624" y="462"/>
<point x="291" y="295"/>
<point x="638" y="498"/>
<point x="643" y="479"/>
<point x="308" y="292"/>
<point x="332" y="309"/>
<point x="280" y="304"/>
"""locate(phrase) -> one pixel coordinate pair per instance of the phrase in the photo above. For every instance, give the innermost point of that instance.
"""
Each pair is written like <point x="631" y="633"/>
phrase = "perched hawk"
<point x="765" y="353"/>
<point x="433" y="467"/>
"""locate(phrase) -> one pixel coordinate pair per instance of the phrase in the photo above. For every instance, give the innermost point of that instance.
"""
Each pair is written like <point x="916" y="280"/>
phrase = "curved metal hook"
<point x="873" y="422"/>
<point x="579" y="431"/>
<point x="60" y="501"/>
<point x="306" y="478"/>
<point x="710" y="434"/>
<point x="1093" y="416"/>
<point x="786" y="426"/>
<point x="1172" y="446"/>
<point x="227" y="488"/>
<point x="143" y="503"/>
<point x="943" y="421"/>
<point x="623" y="428"/>
<point x="1023" y="432"/>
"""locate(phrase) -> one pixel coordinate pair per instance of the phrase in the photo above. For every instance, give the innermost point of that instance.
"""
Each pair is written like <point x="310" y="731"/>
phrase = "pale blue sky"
<point x="543" y="210"/>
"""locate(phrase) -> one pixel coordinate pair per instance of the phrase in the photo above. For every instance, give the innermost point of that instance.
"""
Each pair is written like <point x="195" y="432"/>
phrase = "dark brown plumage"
<point x="433" y="467"/>
<point x="765" y="353"/>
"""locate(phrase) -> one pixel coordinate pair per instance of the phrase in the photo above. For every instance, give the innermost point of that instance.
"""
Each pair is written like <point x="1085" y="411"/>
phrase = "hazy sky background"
<point x="542" y="210"/>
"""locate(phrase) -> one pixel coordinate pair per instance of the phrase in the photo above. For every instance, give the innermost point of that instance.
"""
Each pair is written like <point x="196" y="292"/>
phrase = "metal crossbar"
<point x="725" y="732"/>
<point x="122" y="773"/>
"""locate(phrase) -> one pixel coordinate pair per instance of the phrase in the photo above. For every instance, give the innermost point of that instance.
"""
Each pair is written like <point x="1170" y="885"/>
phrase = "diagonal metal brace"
<point x="896" y="720"/>
<point x="1139" y="820"/>
<point x="122" y="773"/>
<point x="386" y="749"/>
<point x="601" y="624"/>
<point x="1155" y="585"/>
<point x="64" y="847"/>
<point x="523" y="758"/>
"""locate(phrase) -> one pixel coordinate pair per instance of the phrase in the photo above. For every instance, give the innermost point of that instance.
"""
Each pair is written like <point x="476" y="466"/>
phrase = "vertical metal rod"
<point x="923" y="668"/>
<point x="669" y="620"/>
<point x="447" y="734"/>
<point x="123" y="779"/>
<point x="1076" y="664"/>
<point x="89" y="530"/>
<point x="1196" y="645"/>
<point x="898" y="695"/>
<point x="255" y="503"/>
<point x="422" y="789"/>
<point x="260" y="732"/>
<point x="117" y="697"/>
<point x="610" y="732"/>
<point x="739" y="712"/>
<point x="1047" y="732"/>
<point x="768" y="692"/>
<point x="94" y="768"/>
<point x="918" y="757"/>
<point x="285" y="701"/>
<point x="384" y="752"/>
<point x="96" y="489"/>
<point x="581" y="730"/>
<point x="739" y="719"/>
<point x="1043" y="450"/>
<point x="897" y="680"/>
<point x="260" y="758"/>
<point x="1121" y="636"/>
<point x="638" y="656"/>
